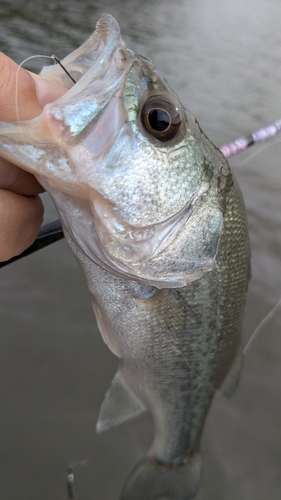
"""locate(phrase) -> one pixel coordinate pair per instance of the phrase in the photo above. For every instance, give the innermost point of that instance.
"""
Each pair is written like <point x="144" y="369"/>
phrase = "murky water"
<point x="223" y="58"/>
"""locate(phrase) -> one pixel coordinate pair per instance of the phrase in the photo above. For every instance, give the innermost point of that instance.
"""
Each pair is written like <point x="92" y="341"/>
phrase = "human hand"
<point x="21" y="209"/>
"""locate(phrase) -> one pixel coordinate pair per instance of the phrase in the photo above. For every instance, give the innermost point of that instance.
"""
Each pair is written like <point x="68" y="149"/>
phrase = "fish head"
<point x="137" y="184"/>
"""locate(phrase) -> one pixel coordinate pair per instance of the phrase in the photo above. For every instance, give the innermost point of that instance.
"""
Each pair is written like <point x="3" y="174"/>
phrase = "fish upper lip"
<point x="104" y="39"/>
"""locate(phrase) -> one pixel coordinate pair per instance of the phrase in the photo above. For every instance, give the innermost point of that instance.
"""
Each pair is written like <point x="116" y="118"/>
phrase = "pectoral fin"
<point x="120" y="404"/>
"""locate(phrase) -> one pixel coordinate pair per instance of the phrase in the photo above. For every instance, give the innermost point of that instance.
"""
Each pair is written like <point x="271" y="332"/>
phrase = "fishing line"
<point x="260" y="326"/>
<point x="17" y="86"/>
<point x="255" y="153"/>
<point x="17" y="78"/>
<point x="54" y="58"/>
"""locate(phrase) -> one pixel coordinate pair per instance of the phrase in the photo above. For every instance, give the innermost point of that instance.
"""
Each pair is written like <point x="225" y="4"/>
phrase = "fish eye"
<point x="161" y="118"/>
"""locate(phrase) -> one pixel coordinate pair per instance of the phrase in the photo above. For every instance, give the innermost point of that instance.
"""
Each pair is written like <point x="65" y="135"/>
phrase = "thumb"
<point x="26" y="92"/>
<point x="23" y="94"/>
<point x="21" y="212"/>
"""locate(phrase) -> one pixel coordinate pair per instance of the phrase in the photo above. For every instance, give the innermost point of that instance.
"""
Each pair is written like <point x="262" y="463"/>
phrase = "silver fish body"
<point x="153" y="214"/>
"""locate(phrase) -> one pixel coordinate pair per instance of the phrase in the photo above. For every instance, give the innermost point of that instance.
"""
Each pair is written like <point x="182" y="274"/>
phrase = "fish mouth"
<point x="99" y="68"/>
<point x="173" y="251"/>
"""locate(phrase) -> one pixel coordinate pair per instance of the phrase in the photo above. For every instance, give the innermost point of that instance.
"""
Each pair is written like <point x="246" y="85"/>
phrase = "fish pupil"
<point x="159" y="120"/>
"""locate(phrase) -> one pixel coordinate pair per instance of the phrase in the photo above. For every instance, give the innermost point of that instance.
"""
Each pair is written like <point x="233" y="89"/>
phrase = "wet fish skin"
<point x="161" y="235"/>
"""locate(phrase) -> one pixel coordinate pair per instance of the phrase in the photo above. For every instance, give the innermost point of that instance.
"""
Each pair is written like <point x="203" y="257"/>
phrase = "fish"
<point x="153" y="214"/>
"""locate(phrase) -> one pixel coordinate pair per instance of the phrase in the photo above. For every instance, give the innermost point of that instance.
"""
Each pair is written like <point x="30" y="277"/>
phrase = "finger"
<point x="22" y="97"/>
<point x="20" y="219"/>
<point x="17" y="102"/>
<point x="47" y="92"/>
<point x="14" y="179"/>
<point x="23" y="94"/>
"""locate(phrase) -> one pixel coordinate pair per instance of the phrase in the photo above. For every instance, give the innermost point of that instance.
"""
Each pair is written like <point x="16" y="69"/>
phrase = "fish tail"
<point x="151" y="480"/>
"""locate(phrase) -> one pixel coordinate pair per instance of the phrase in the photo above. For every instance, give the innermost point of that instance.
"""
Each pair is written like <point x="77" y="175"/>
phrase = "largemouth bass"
<point x="152" y="212"/>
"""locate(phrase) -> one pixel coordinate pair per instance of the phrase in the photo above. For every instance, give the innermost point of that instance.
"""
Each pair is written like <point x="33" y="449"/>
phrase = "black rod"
<point x="46" y="236"/>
